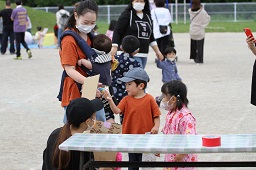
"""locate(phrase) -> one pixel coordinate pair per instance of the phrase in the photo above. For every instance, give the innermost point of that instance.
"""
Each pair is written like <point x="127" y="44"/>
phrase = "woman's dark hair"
<point x="138" y="82"/>
<point x="102" y="42"/>
<point x="61" y="7"/>
<point x="145" y="10"/>
<point x="196" y="4"/>
<point x="159" y="3"/>
<point x="178" y="89"/>
<point x="82" y="8"/>
<point x="60" y="158"/>
<point x="112" y="25"/>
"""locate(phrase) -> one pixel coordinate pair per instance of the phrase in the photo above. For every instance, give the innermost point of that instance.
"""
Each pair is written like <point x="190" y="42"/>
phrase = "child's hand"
<point x="106" y="95"/>
<point x="179" y="157"/>
<point x="154" y="130"/>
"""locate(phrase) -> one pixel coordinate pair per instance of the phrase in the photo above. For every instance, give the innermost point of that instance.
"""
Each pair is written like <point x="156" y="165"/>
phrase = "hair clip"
<point x="178" y="95"/>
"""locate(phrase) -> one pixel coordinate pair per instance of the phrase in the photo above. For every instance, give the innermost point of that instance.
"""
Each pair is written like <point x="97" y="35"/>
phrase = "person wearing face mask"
<point x="81" y="114"/>
<point x="169" y="68"/>
<point x="136" y="20"/>
<point x="179" y="119"/>
<point x="81" y="22"/>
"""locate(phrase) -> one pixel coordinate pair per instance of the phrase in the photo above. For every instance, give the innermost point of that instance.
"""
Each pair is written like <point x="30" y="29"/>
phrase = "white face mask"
<point x="171" y="59"/>
<point x="90" y="127"/>
<point x="151" y="1"/>
<point x="166" y="106"/>
<point x="85" y="28"/>
<point x="138" y="6"/>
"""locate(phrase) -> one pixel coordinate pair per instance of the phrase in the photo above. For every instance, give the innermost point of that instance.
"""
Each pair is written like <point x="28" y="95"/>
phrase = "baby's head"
<point x="131" y="44"/>
<point x="39" y="28"/>
<point x="175" y="95"/>
<point x="101" y="42"/>
<point x="170" y="53"/>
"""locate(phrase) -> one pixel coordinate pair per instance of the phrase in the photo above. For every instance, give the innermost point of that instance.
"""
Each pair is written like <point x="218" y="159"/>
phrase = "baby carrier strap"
<point x="87" y="50"/>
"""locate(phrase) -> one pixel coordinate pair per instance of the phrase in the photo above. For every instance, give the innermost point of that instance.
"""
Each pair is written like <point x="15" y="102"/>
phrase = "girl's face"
<point x="169" y="102"/>
<point x="132" y="88"/>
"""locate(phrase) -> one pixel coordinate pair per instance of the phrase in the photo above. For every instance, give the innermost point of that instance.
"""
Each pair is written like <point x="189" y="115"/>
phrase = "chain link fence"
<point x="219" y="12"/>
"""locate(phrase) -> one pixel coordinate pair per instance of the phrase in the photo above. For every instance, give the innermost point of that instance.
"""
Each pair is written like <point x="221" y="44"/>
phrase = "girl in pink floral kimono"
<point x="179" y="120"/>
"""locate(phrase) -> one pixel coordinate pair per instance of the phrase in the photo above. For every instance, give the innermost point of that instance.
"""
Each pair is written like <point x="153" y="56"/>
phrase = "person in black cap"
<point x="130" y="46"/>
<point x="81" y="115"/>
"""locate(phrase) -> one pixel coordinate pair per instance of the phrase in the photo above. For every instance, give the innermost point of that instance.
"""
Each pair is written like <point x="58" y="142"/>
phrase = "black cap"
<point x="81" y="109"/>
<point x="130" y="44"/>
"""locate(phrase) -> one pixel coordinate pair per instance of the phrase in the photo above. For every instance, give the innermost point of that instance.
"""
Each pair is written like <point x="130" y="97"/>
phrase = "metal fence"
<point x="219" y="12"/>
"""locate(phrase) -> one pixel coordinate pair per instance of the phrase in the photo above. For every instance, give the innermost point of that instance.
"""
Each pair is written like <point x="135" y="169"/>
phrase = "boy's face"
<point x="171" y="55"/>
<point x="132" y="88"/>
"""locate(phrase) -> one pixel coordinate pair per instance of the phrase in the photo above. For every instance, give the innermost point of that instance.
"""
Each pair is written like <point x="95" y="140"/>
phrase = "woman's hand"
<point x="79" y="62"/>
<point x="113" y="51"/>
<point x="159" y="55"/>
<point x="250" y="41"/>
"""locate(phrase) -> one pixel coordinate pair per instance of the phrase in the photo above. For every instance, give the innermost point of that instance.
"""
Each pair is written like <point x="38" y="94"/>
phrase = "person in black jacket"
<point x="136" y="20"/>
<point x="7" y="28"/>
<point x="251" y="44"/>
<point x="81" y="114"/>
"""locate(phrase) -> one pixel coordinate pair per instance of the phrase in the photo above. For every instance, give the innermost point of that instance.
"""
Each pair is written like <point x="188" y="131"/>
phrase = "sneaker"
<point x="18" y="58"/>
<point x="29" y="54"/>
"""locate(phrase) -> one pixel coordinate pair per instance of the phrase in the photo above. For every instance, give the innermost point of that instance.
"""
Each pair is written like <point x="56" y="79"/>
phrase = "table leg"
<point x="81" y="162"/>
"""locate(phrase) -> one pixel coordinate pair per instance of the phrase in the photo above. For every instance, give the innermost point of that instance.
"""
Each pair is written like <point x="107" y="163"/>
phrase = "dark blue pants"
<point x="134" y="157"/>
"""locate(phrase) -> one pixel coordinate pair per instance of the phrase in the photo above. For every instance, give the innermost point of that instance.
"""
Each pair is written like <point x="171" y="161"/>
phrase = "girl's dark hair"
<point x="178" y="89"/>
<point x="138" y="82"/>
<point x="159" y="3"/>
<point x="61" y="159"/>
<point x="81" y="8"/>
<point x="145" y="10"/>
<point x="112" y="25"/>
<point x="101" y="42"/>
<point x="61" y="7"/>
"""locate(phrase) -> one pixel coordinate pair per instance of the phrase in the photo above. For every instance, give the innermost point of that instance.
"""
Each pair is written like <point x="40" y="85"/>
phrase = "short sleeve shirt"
<point x="139" y="114"/>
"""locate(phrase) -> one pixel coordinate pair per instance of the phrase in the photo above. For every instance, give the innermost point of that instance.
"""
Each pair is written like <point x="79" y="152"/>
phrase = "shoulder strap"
<point x="87" y="50"/>
<point x="195" y="16"/>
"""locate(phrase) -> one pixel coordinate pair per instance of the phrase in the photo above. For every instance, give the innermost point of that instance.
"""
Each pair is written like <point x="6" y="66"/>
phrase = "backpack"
<point x="86" y="50"/>
<point x="63" y="19"/>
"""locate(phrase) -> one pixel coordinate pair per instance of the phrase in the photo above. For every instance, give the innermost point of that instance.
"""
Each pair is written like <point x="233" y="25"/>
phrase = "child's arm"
<point x="85" y="63"/>
<point x="113" y="106"/>
<point x="159" y="63"/>
<point x="155" y="129"/>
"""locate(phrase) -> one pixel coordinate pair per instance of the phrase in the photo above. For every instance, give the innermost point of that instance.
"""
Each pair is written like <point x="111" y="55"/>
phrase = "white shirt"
<point x="160" y="16"/>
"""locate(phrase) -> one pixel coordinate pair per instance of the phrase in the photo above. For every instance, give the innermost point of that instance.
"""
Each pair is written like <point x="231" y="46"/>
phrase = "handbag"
<point x="162" y="28"/>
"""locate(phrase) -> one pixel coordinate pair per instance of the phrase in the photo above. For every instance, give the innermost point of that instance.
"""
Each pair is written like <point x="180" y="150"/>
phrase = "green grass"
<point x="44" y="19"/>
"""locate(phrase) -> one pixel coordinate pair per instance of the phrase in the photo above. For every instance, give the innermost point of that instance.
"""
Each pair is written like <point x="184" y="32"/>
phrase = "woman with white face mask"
<point x="136" y="21"/>
<point x="81" y="22"/>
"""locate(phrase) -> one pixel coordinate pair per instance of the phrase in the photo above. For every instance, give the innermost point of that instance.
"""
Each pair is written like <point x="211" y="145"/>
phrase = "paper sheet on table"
<point x="90" y="86"/>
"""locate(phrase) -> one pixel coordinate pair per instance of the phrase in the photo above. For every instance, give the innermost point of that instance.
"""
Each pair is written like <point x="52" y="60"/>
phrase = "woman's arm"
<point x="251" y="44"/>
<point x="75" y="75"/>
<point x="159" y="55"/>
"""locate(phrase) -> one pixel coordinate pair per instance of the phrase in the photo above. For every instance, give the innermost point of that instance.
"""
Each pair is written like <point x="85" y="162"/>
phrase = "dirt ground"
<point x="218" y="91"/>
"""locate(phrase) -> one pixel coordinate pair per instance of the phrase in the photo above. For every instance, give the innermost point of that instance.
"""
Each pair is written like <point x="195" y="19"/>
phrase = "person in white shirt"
<point x="61" y="18"/>
<point x="161" y="16"/>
